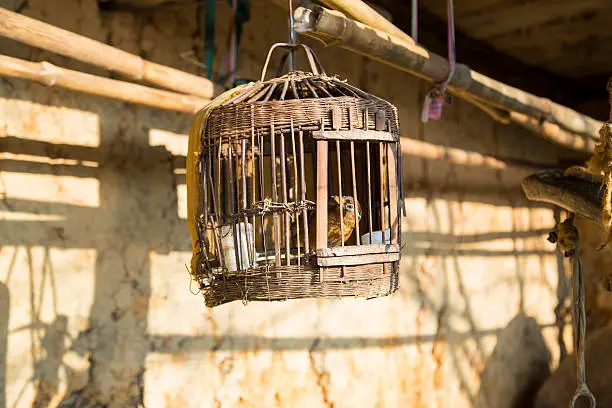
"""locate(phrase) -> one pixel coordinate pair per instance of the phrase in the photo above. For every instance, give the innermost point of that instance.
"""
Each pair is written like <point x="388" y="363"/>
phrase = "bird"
<point x="351" y="215"/>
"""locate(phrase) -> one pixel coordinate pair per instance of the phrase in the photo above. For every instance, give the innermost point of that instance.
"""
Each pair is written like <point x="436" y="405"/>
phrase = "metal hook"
<point x="583" y="391"/>
<point x="414" y="25"/>
<point x="579" y="320"/>
<point x="292" y="39"/>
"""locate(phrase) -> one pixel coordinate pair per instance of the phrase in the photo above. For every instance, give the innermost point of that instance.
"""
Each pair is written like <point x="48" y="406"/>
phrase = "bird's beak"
<point x="358" y="216"/>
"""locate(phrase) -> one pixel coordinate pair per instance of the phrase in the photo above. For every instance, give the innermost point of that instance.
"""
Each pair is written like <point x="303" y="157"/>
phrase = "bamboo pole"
<point x="51" y="75"/>
<point x="42" y="35"/>
<point x="333" y="27"/>
<point x="360" y="11"/>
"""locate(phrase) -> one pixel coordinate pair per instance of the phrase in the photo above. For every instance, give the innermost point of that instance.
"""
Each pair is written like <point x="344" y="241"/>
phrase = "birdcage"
<point x="298" y="191"/>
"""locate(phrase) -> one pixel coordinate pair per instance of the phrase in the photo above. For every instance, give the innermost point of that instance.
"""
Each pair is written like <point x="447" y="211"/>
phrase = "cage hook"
<point x="292" y="35"/>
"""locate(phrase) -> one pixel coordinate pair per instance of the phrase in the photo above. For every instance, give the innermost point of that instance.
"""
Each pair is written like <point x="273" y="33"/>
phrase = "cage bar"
<point x="303" y="196"/>
<point x="369" y="169"/>
<point x="283" y="168"/>
<point x="253" y="181"/>
<point x="321" y="194"/>
<point x="277" y="232"/>
<point x="262" y="197"/>
<point x="341" y="197"/>
<point x="295" y="194"/>
<point x="393" y="199"/>
<point x="381" y="167"/>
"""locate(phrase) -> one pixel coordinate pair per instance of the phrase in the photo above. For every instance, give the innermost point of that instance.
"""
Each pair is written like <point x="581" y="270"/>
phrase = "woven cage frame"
<point x="263" y="122"/>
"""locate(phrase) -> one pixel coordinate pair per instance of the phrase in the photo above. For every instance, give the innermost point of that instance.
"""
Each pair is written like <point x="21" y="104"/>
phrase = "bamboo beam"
<point x="333" y="27"/>
<point x="433" y="34"/>
<point x="51" y="75"/>
<point x="42" y="35"/>
<point x="360" y="11"/>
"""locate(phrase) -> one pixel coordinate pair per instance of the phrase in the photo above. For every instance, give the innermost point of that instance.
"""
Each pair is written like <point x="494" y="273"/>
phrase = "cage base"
<point x="305" y="281"/>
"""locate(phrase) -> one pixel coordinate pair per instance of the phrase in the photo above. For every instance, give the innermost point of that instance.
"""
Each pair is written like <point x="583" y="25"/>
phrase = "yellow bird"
<point x="351" y="215"/>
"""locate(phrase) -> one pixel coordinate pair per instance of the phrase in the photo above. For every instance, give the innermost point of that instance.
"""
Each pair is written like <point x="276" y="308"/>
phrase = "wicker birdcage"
<point x="297" y="190"/>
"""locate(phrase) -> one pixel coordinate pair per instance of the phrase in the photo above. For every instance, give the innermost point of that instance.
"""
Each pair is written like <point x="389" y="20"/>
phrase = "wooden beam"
<point x="360" y="11"/>
<point x="42" y="35"/>
<point x="51" y="75"/>
<point x="478" y="54"/>
<point x="484" y="58"/>
<point x="332" y="26"/>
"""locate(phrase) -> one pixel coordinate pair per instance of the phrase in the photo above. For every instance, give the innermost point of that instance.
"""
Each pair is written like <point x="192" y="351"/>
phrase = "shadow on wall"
<point x="517" y="367"/>
<point x="137" y="215"/>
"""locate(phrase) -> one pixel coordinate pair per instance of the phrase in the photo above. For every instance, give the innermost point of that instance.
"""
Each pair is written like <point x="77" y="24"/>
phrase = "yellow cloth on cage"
<point x="194" y="203"/>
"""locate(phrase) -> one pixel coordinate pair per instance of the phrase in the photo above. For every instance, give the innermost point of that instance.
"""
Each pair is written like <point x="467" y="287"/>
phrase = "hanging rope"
<point x="209" y="35"/>
<point x="568" y="240"/>
<point x="437" y="97"/>
<point x="240" y="14"/>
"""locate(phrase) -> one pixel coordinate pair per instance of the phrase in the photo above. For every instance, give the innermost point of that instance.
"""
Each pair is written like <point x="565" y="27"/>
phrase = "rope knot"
<point x="566" y="237"/>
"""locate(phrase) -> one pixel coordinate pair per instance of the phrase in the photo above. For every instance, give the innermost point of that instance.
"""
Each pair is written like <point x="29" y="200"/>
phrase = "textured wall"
<point x="93" y="247"/>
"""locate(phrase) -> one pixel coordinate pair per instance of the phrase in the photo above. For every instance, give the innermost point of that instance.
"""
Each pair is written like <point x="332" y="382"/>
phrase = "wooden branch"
<point x="42" y="35"/>
<point x="581" y="193"/>
<point x="332" y="26"/>
<point x="51" y="75"/>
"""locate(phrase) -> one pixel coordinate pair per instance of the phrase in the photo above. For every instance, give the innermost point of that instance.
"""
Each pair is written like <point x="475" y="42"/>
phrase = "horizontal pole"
<point x="46" y="36"/>
<point x="354" y="134"/>
<point x="351" y="260"/>
<point x="360" y="11"/>
<point x="357" y="250"/>
<point x="332" y="27"/>
<point x="51" y="75"/>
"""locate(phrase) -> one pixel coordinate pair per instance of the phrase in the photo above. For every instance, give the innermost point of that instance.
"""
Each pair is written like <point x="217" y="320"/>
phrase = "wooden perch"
<point x="51" y="75"/>
<point x="333" y="27"/>
<point x="42" y="35"/>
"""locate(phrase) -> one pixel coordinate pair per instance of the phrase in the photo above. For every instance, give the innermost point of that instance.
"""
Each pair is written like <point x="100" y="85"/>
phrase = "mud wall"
<point x="93" y="248"/>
